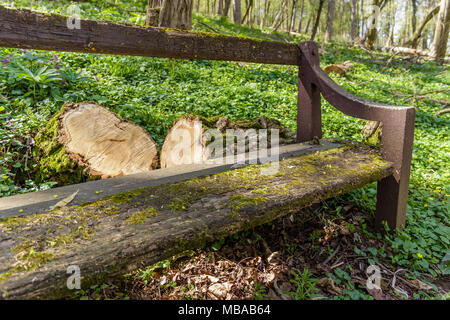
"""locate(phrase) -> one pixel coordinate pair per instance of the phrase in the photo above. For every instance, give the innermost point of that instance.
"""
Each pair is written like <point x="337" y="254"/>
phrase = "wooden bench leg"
<point x="392" y="192"/>
<point x="309" y="116"/>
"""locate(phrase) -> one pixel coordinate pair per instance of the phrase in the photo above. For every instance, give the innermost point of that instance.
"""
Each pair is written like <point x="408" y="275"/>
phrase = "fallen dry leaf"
<point x="420" y="284"/>
<point x="219" y="290"/>
<point x="329" y="285"/>
<point x="274" y="257"/>
<point x="273" y="295"/>
<point x="64" y="202"/>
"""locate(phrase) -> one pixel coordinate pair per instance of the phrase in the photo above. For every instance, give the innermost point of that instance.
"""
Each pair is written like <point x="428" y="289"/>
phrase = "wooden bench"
<point x="185" y="207"/>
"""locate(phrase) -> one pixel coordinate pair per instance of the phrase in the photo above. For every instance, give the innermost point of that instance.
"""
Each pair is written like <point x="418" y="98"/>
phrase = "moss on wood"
<point x="54" y="163"/>
<point x="139" y="217"/>
<point x="153" y="223"/>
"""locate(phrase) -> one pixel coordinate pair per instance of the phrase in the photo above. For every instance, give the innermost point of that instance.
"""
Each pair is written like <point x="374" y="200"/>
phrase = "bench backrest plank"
<point x="32" y="30"/>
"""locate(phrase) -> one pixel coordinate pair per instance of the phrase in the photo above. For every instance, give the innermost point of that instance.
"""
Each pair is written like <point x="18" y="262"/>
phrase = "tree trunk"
<point x="176" y="14"/>
<point x="414" y="40"/>
<point x="372" y="33"/>
<point x="247" y="11"/>
<point x="330" y="18"/>
<point x="293" y="16"/>
<point x="237" y="15"/>
<point x="392" y="11"/>
<point x="226" y="7"/>
<point x="353" y="27"/>
<point x="404" y="31"/>
<point x="250" y="15"/>
<point x="308" y="23"/>
<point x="152" y="15"/>
<point x="425" y="42"/>
<point x="439" y="47"/>
<point x="316" y="23"/>
<point x="90" y="141"/>
<point x="286" y="16"/>
<point x="279" y="18"/>
<point x="220" y="8"/>
<point x="414" y="15"/>
<point x="361" y="30"/>
<point x="302" y="8"/>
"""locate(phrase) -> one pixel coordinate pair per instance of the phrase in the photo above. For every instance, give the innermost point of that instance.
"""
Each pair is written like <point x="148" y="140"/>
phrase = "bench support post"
<point x="309" y="118"/>
<point x="392" y="192"/>
<point x="397" y="132"/>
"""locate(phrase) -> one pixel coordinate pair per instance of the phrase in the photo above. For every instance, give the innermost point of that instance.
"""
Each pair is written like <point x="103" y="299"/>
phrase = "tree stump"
<point x="87" y="141"/>
<point x="340" y="68"/>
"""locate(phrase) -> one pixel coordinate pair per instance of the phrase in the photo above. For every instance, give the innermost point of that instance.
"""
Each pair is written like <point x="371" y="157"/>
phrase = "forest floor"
<point x="319" y="253"/>
<point x="309" y="255"/>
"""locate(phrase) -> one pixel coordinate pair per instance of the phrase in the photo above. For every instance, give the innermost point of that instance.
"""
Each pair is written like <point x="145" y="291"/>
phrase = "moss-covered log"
<point x="125" y="231"/>
<point x="86" y="141"/>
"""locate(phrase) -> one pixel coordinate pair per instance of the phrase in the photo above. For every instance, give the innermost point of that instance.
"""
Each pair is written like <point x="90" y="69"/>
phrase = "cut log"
<point x="184" y="143"/>
<point x="191" y="140"/>
<point x="91" y="141"/>
<point x="123" y="232"/>
<point x="340" y="68"/>
<point x="372" y="132"/>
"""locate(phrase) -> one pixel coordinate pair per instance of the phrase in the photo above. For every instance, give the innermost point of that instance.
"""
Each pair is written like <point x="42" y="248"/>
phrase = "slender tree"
<point x="247" y="11"/>
<point x="439" y="47"/>
<point x="293" y="15"/>
<point x="237" y="15"/>
<point x="316" y="23"/>
<point x="377" y="6"/>
<point x="220" y="7"/>
<point x="265" y="11"/>
<point x="390" y="41"/>
<point x="361" y="30"/>
<point x="353" y="26"/>
<point x="279" y="17"/>
<point x="330" y="18"/>
<point x="414" y="15"/>
<point x="414" y="39"/>
<point x="302" y="7"/>
<point x="226" y="7"/>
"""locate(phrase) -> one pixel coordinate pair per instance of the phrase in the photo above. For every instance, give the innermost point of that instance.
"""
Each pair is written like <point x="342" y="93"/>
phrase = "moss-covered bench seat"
<point x="124" y="231"/>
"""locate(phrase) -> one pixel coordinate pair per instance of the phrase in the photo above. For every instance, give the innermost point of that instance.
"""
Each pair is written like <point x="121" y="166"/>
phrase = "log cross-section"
<point x="31" y="30"/>
<point x="125" y="231"/>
